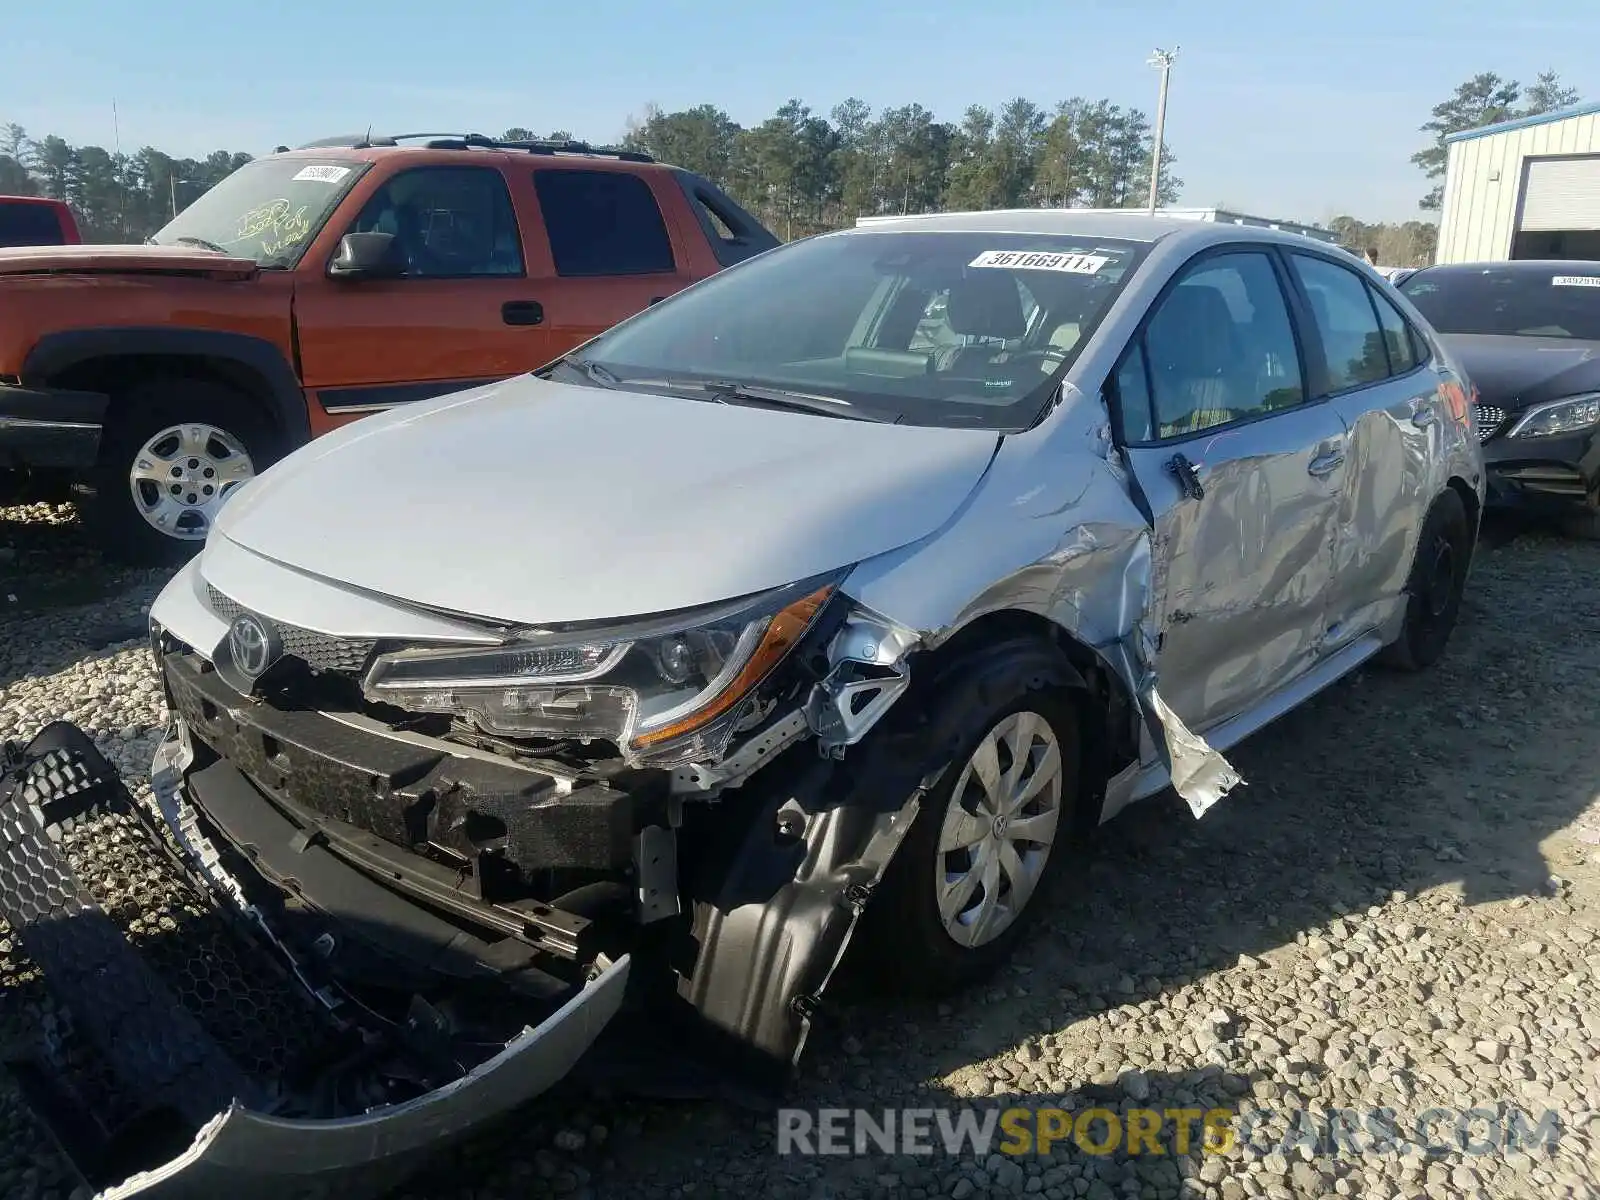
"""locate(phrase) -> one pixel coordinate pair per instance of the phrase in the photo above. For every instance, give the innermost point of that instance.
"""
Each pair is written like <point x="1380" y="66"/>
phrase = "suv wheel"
<point x="966" y="883"/>
<point x="173" y="451"/>
<point x="1438" y="580"/>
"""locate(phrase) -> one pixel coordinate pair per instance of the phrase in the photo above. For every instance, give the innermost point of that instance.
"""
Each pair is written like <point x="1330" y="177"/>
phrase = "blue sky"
<point x="1286" y="109"/>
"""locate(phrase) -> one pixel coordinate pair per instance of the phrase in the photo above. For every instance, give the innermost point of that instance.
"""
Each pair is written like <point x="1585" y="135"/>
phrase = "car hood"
<point x="534" y="502"/>
<point x="1515" y="372"/>
<point x="78" y="260"/>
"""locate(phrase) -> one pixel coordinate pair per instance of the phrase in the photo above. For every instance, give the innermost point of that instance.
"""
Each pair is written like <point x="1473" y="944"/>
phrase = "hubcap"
<point x="998" y="829"/>
<point x="1441" y="578"/>
<point x="182" y="475"/>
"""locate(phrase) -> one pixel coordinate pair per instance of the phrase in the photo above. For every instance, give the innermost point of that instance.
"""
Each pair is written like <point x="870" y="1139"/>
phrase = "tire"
<point x="212" y="428"/>
<point x="909" y="945"/>
<point x="1438" y="581"/>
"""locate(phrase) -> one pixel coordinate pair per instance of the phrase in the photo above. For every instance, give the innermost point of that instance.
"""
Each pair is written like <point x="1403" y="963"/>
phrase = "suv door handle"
<point x="1324" y="465"/>
<point x="522" y="312"/>
<point x="1423" y="415"/>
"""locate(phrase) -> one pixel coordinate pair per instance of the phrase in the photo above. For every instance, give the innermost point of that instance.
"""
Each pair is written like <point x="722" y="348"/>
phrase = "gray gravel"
<point x="1402" y="909"/>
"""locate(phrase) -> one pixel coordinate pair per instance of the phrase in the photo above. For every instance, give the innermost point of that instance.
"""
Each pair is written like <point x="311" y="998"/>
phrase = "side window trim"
<point x="509" y="209"/>
<point x="1288" y="292"/>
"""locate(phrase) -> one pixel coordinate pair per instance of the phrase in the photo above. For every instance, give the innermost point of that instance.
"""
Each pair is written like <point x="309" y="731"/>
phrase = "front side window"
<point x="267" y="210"/>
<point x="1514" y="301"/>
<point x="1220" y="348"/>
<point x="927" y="328"/>
<point x="1352" y="342"/>
<point x="447" y="222"/>
<point x="602" y="223"/>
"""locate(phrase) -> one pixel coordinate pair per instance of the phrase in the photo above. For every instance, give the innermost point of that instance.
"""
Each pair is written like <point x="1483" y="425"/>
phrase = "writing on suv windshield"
<point x="268" y="210"/>
<point x="931" y="328"/>
<point x="1512" y="301"/>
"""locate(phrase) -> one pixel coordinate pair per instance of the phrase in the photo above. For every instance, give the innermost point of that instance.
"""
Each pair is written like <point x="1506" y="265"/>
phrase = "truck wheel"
<point x="172" y="453"/>
<point x="1438" y="580"/>
<point x="965" y="885"/>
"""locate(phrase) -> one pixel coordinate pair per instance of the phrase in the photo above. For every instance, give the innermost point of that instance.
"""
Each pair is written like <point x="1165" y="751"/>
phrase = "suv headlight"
<point x="1559" y="416"/>
<point x="666" y="690"/>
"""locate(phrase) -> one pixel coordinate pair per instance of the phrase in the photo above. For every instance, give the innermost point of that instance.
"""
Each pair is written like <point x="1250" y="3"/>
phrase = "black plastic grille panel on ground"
<point x="120" y="1005"/>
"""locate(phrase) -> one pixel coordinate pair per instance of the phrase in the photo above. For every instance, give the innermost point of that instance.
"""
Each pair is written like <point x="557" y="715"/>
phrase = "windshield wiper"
<point x="201" y="242"/>
<point x="727" y="391"/>
<point x="592" y="370"/>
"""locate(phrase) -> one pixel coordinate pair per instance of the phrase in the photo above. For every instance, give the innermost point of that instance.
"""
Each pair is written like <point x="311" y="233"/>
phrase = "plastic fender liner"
<point x="246" y="1155"/>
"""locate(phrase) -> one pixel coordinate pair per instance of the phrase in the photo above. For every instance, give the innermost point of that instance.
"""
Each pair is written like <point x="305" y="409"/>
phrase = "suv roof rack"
<point x="473" y="141"/>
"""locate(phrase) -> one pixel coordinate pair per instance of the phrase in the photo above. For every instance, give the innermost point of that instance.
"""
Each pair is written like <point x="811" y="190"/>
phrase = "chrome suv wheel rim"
<point x="999" y="829"/>
<point x="182" y="475"/>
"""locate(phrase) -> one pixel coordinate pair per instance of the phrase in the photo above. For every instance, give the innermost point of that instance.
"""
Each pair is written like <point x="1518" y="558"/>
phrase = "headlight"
<point x="1559" y="416"/>
<point x="666" y="690"/>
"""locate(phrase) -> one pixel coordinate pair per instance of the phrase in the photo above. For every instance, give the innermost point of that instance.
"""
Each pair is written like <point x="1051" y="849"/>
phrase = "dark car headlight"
<point x="1569" y="415"/>
<point x="666" y="690"/>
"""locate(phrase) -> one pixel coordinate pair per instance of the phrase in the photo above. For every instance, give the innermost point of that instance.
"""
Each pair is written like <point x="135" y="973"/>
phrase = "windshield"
<point x="1558" y="303"/>
<point x="928" y="328"/>
<point x="267" y="210"/>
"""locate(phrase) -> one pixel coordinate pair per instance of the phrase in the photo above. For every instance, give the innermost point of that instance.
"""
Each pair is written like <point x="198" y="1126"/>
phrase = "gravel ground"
<point x="1400" y="910"/>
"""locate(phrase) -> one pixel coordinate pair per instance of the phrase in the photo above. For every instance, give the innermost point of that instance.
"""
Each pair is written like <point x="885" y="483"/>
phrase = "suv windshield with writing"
<point x="267" y="210"/>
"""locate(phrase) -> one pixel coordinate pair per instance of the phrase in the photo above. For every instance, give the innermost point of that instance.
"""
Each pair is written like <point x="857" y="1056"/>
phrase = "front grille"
<point x="1489" y="418"/>
<point x="319" y="651"/>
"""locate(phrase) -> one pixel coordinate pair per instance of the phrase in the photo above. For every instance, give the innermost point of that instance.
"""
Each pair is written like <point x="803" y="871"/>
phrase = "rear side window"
<point x="1352" y="341"/>
<point x="29" y="225"/>
<point x="1398" y="337"/>
<point x="602" y="223"/>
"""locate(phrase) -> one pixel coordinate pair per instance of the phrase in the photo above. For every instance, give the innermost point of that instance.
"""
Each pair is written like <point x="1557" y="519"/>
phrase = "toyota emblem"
<point x="252" y="643"/>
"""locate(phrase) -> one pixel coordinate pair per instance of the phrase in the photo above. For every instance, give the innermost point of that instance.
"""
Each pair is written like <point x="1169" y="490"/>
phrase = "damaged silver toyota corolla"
<point x="844" y="588"/>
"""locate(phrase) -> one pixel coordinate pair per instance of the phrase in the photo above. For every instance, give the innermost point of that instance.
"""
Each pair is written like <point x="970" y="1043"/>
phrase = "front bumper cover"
<point x="162" y="1054"/>
<point x="1544" y="474"/>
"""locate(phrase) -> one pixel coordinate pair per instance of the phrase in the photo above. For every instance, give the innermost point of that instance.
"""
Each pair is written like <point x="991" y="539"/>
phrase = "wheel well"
<point x="1469" y="500"/>
<point x="1109" y="713"/>
<point x="116" y="373"/>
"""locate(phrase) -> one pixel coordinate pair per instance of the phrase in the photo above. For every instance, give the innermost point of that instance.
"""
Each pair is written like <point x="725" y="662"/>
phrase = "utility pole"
<point x="1162" y="60"/>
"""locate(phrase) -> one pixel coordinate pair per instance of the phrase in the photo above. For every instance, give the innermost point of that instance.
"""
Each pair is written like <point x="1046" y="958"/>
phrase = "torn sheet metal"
<point x="246" y="1155"/>
<point x="1055" y="530"/>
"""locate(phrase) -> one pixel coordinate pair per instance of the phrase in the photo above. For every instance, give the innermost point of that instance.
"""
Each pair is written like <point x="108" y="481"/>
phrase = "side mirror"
<point x="367" y="256"/>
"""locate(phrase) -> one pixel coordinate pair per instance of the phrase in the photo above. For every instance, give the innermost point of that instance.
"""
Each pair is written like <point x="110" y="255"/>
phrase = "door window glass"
<point x="1352" y="343"/>
<point x="1220" y="347"/>
<point x="1397" y="335"/>
<point x="602" y="223"/>
<point x="448" y="222"/>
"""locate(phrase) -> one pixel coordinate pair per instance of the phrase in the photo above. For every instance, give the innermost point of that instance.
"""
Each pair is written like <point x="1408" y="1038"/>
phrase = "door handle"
<point x="1324" y="465"/>
<point x="1423" y="415"/>
<point x="522" y="312"/>
<point x="656" y="300"/>
<point x="1188" y="476"/>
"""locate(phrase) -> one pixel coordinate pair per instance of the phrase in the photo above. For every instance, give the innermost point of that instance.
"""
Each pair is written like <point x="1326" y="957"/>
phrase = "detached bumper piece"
<point x="181" y="1056"/>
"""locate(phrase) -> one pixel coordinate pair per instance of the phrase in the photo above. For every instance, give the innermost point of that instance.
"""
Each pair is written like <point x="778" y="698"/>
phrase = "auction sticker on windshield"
<point x="1039" y="260"/>
<point x="1576" y="281"/>
<point x="321" y="174"/>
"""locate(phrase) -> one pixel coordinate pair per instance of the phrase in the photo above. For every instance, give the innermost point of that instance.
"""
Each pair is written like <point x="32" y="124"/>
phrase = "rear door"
<point x="1366" y="361"/>
<point x="1242" y="475"/>
<point x="465" y="312"/>
<point x="610" y="252"/>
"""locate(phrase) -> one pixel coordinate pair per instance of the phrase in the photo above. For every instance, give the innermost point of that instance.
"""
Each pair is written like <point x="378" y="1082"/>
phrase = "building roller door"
<point x="1561" y="194"/>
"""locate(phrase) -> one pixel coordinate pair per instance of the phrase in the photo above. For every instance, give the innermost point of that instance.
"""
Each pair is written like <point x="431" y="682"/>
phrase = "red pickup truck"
<point x="35" y="221"/>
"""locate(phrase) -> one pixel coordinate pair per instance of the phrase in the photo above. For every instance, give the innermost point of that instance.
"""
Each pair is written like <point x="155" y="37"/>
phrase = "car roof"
<point x="1519" y="266"/>
<point x="1133" y="226"/>
<point x="449" y="149"/>
<point x="45" y="200"/>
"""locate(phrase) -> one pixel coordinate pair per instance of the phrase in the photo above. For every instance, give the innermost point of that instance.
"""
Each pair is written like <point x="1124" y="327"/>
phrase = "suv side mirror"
<point x="367" y="256"/>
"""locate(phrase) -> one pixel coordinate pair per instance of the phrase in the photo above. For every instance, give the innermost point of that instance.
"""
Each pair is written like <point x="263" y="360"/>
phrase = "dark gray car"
<point x="1528" y="335"/>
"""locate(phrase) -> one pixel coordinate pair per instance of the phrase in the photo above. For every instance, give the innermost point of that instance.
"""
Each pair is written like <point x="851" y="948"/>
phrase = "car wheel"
<point x="966" y="883"/>
<point x="172" y="454"/>
<point x="1438" y="580"/>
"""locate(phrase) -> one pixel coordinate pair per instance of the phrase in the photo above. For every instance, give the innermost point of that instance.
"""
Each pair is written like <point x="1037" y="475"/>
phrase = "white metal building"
<point x="1528" y="188"/>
